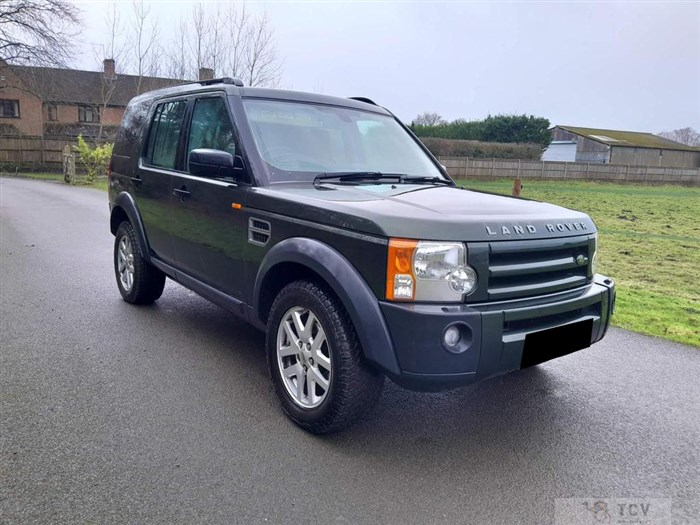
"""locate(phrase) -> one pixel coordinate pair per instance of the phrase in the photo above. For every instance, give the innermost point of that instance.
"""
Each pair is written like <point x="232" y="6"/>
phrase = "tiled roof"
<point x="73" y="86"/>
<point x="634" y="139"/>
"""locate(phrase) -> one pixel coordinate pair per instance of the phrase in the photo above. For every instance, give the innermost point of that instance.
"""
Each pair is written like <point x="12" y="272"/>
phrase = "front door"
<point x="209" y="228"/>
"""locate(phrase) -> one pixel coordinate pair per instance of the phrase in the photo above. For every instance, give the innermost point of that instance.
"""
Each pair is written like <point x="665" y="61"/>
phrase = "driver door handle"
<point x="183" y="192"/>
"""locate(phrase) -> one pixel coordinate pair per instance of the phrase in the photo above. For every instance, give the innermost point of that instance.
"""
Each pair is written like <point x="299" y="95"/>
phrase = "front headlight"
<point x="433" y="261"/>
<point x="428" y="271"/>
<point x="462" y="280"/>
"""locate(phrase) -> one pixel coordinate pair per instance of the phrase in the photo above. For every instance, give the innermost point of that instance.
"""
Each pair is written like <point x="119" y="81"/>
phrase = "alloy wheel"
<point x="304" y="357"/>
<point x="125" y="263"/>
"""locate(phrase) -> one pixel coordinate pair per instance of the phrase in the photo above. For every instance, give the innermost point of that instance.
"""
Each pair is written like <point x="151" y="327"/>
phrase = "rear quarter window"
<point x="128" y="142"/>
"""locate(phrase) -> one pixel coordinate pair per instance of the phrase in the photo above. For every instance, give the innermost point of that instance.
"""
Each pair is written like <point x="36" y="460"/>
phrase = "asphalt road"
<point x="164" y="414"/>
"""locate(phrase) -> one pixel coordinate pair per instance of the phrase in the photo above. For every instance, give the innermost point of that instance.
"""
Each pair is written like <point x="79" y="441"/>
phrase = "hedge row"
<point x="475" y="148"/>
<point x="522" y="129"/>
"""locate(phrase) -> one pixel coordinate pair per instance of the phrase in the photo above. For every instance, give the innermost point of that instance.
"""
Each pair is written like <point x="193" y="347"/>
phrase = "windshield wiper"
<point x="429" y="180"/>
<point x="349" y="176"/>
<point x="401" y="178"/>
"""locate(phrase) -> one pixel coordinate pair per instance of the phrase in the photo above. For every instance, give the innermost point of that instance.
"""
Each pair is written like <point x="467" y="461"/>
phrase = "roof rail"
<point x="365" y="100"/>
<point x="225" y="80"/>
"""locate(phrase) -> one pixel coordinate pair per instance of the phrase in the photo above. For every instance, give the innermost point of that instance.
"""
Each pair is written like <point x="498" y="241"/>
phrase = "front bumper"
<point x="496" y="333"/>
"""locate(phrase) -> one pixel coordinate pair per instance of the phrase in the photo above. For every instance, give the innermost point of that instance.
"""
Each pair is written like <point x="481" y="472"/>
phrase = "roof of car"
<point x="264" y="93"/>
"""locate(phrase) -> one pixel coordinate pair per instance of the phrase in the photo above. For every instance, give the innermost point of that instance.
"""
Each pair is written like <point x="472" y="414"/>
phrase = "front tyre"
<point x="139" y="282"/>
<point x="315" y="360"/>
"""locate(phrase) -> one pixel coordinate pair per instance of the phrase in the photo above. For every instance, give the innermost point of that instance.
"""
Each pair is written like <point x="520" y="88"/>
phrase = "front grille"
<point x="536" y="267"/>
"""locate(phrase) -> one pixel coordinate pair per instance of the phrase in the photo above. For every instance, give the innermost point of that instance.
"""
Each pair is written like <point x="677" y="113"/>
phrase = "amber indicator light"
<point x="399" y="261"/>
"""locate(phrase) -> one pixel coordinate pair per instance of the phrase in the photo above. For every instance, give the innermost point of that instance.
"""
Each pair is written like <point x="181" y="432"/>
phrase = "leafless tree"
<point x="145" y="36"/>
<point x="235" y="43"/>
<point x="319" y="88"/>
<point x="262" y="65"/>
<point x="116" y="47"/>
<point x="429" y="119"/>
<point x="687" y="136"/>
<point x="238" y="34"/>
<point x="199" y="35"/>
<point x="176" y="56"/>
<point x="37" y="31"/>
<point x="112" y="48"/>
<point x="216" y="46"/>
<point x="232" y="41"/>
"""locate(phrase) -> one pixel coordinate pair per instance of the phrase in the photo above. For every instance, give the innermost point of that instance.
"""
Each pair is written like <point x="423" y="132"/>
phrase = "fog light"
<point x="452" y="336"/>
<point x="457" y="338"/>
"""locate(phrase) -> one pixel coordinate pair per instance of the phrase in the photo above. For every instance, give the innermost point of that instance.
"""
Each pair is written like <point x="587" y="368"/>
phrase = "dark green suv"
<point x="324" y="222"/>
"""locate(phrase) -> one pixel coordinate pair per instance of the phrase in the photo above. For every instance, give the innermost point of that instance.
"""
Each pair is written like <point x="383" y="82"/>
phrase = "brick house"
<point x="61" y="103"/>
<point x="42" y="109"/>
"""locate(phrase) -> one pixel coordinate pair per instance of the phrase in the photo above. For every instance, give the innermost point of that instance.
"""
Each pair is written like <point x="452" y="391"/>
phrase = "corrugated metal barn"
<point x="609" y="146"/>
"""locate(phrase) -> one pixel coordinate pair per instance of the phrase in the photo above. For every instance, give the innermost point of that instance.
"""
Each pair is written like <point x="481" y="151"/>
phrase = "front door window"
<point x="211" y="127"/>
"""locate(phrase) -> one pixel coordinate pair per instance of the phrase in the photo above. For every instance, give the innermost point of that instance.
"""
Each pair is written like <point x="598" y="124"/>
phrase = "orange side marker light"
<point x="399" y="270"/>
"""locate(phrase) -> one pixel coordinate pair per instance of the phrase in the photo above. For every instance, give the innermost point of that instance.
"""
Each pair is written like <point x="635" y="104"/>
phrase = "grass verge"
<point x="649" y="244"/>
<point x="99" y="184"/>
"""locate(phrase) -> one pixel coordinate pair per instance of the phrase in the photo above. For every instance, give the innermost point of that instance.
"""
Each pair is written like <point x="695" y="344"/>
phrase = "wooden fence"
<point x="32" y="153"/>
<point x="492" y="169"/>
<point x="38" y="153"/>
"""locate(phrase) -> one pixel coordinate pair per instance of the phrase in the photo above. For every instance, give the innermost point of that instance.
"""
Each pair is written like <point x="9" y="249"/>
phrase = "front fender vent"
<point x="258" y="231"/>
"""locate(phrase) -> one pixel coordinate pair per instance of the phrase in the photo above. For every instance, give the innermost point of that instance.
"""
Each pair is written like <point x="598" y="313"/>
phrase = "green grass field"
<point x="649" y="244"/>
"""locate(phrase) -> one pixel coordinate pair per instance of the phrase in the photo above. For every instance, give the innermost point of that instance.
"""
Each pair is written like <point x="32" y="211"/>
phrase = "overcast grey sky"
<point x="619" y="65"/>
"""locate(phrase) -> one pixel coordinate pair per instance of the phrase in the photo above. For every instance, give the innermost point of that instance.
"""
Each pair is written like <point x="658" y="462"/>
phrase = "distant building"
<point x="607" y="146"/>
<point x="59" y="104"/>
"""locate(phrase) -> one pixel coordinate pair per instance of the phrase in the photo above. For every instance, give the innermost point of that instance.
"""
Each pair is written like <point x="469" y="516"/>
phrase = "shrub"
<point x="95" y="159"/>
<point x="475" y="148"/>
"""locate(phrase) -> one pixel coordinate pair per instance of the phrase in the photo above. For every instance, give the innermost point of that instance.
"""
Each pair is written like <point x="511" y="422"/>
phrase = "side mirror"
<point x="215" y="164"/>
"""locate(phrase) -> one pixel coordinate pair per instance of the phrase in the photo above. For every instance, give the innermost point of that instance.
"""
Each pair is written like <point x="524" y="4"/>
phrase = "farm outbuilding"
<point x="609" y="146"/>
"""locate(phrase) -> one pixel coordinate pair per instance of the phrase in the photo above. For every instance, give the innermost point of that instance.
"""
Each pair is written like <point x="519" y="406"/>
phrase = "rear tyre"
<point x="139" y="282"/>
<point x="315" y="360"/>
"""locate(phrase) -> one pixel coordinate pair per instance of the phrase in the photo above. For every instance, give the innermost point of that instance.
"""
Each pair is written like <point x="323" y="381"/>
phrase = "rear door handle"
<point x="183" y="192"/>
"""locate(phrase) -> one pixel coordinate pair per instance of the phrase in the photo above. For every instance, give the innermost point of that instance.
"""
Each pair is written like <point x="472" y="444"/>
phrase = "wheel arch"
<point x="303" y="258"/>
<point x="124" y="208"/>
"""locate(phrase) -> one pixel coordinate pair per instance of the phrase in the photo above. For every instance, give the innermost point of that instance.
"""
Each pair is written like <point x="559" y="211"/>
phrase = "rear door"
<point x="154" y="183"/>
<point x="208" y="221"/>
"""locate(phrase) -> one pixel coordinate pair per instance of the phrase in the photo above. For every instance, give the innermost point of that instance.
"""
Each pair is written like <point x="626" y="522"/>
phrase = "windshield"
<point x="299" y="141"/>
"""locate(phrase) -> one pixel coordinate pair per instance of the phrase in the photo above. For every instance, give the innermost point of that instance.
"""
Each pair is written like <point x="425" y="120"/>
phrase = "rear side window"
<point x="165" y="134"/>
<point x="134" y="126"/>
